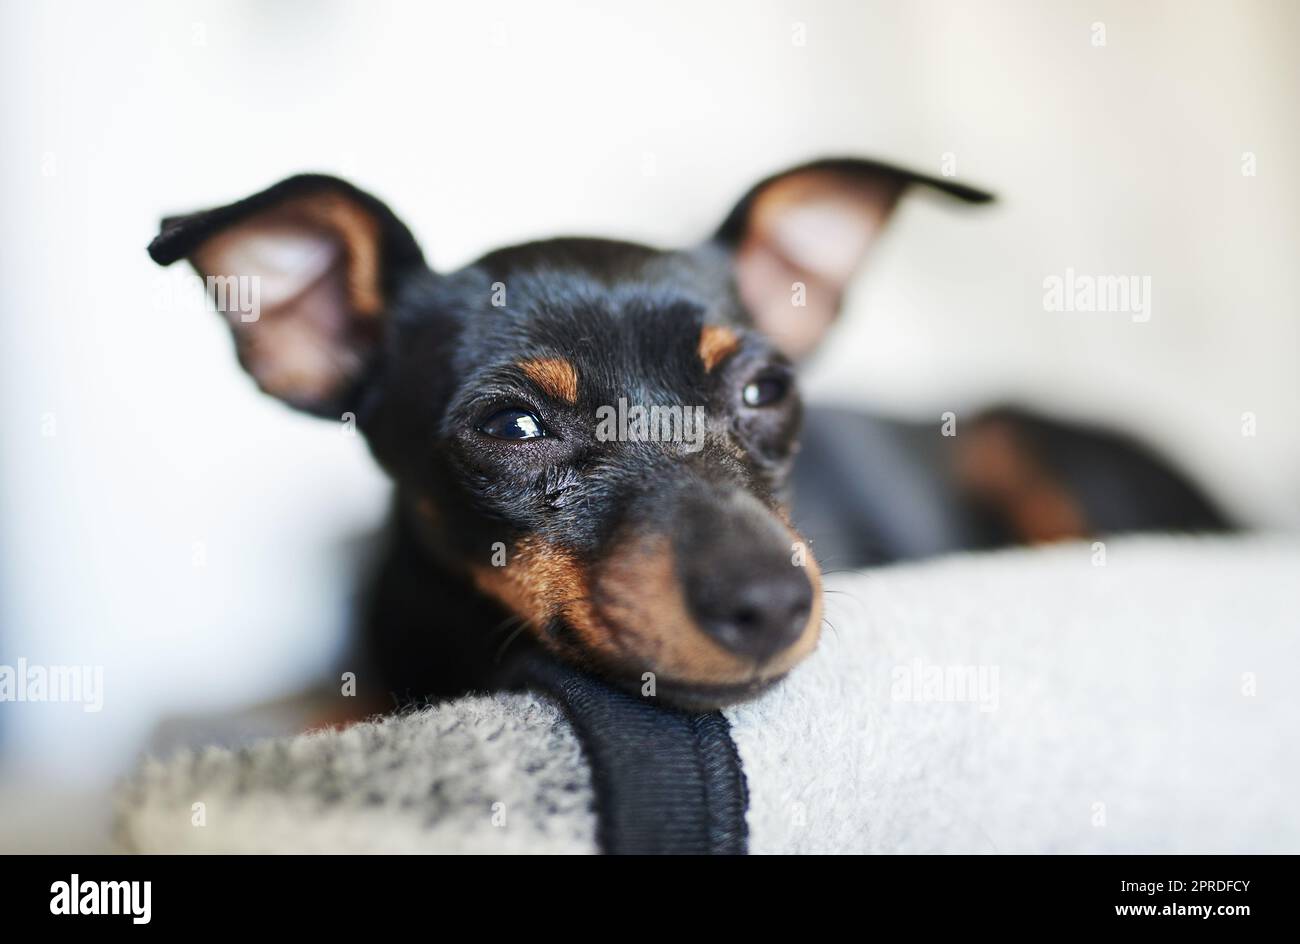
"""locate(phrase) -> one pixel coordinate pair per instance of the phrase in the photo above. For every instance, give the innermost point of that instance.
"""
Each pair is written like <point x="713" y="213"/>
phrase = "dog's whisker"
<point x="506" y="624"/>
<point x="850" y="571"/>
<point x="523" y="624"/>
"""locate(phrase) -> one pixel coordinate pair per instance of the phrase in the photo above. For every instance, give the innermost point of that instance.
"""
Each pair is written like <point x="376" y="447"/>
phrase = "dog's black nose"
<point x="754" y="619"/>
<point x="740" y="578"/>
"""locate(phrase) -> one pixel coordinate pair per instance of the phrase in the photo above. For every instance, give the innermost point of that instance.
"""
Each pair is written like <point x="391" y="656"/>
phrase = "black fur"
<point x="630" y="319"/>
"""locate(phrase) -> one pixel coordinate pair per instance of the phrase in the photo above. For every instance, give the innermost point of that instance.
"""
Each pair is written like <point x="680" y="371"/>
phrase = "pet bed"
<point x="1132" y="697"/>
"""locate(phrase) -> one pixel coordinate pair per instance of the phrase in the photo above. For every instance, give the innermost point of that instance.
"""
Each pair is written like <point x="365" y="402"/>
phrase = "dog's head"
<point x="597" y="434"/>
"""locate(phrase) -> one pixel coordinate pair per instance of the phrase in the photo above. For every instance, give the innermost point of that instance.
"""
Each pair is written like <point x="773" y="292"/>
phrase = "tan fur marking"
<point x="994" y="465"/>
<point x="554" y="375"/>
<point x="717" y="342"/>
<point x="640" y="593"/>
<point x="630" y="615"/>
<point x="539" y="582"/>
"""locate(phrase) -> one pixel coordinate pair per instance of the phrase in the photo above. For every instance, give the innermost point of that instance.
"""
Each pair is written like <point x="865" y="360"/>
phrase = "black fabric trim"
<point x="666" y="782"/>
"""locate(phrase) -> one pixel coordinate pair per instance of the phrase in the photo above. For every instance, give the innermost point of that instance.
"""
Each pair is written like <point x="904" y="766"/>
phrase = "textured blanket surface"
<point x="1137" y="697"/>
<point x="499" y="773"/>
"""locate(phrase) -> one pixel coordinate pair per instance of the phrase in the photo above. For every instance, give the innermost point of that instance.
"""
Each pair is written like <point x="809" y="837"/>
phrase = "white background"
<point x="197" y="539"/>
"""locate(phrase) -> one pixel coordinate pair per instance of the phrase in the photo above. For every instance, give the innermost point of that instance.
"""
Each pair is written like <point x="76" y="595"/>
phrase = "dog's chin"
<point x="689" y="696"/>
<point x="696" y="696"/>
<point x="641" y="678"/>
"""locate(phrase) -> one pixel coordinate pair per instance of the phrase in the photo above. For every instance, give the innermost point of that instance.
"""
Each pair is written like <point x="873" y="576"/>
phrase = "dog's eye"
<point x="513" y="424"/>
<point x="764" y="391"/>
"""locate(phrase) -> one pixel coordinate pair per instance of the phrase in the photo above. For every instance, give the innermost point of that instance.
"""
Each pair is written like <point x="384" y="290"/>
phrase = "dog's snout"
<point x="741" y="578"/>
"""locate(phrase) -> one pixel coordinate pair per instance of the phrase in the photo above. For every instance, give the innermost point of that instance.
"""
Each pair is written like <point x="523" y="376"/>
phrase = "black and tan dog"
<point x="478" y="392"/>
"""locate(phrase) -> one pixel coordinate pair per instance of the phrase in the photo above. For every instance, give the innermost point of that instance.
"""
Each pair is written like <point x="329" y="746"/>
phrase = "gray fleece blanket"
<point x="1134" y="698"/>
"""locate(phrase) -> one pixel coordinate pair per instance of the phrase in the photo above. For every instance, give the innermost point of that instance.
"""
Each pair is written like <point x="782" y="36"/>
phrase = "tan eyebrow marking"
<point x="717" y="342"/>
<point x="554" y="375"/>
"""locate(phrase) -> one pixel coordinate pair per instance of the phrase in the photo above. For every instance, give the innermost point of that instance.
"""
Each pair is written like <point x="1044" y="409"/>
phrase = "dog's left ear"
<point x="303" y="272"/>
<point x="798" y="237"/>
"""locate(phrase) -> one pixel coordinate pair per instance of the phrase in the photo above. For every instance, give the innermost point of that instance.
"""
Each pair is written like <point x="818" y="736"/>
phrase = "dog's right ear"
<point x="304" y="273"/>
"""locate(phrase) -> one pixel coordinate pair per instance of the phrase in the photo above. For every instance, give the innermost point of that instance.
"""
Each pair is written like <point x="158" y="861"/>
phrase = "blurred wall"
<point x="163" y="520"/>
